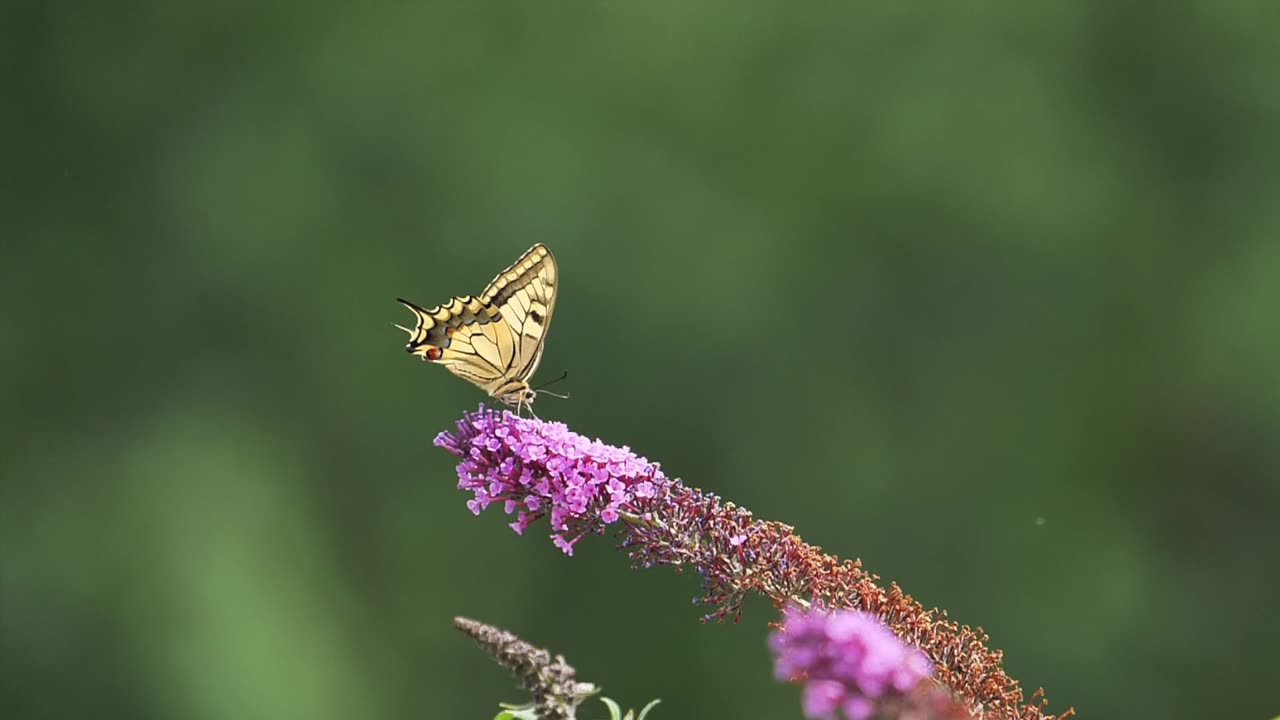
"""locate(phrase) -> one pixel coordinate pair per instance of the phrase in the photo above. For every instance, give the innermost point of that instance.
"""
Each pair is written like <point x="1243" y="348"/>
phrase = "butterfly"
<point x="495" y="339"/>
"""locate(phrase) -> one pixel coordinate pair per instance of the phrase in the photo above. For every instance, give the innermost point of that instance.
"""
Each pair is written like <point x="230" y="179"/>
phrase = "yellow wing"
<point x="494" y="340"/>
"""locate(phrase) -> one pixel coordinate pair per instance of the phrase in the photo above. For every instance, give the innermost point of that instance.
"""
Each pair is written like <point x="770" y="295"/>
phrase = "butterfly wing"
<point x="494" y="340"/>
<point x="525" y="294"/>
<point x="461" y="335"/>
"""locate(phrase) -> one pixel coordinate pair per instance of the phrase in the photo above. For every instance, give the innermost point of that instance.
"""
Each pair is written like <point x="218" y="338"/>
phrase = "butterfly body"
<point x="495" y="339"/>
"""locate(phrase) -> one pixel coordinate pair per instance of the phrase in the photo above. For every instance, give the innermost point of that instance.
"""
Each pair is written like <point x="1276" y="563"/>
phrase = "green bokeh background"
<point x="983" y="293"/>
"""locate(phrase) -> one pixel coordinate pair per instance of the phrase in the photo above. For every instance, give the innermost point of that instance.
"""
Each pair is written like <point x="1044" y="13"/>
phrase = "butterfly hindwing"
<point x="494" y="340"/>
<point x="446" y="334"/>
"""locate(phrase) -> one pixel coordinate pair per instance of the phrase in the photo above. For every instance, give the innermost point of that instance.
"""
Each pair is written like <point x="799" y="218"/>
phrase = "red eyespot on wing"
<point x="433" y="353"/>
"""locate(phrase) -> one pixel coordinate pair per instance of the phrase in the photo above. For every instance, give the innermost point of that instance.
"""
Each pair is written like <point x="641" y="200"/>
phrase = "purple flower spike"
<point x="850" y="662"/>
<point x="852" y="666"/>
<point x="537" y="468"/>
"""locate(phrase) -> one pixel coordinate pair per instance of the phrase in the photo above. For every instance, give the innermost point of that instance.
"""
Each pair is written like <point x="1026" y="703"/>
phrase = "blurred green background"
<point x="985" y="294"/>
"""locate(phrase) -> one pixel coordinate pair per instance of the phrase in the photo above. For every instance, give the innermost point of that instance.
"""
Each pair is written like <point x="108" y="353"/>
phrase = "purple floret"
<point x="535" y="468"/>
<point x="849" y="661"/>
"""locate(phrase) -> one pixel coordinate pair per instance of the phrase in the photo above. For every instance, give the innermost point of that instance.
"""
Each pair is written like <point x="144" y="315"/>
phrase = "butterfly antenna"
<point x="551" y="382"/>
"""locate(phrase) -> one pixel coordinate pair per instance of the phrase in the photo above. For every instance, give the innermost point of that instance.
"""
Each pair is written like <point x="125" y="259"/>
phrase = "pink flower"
<point x="848" y="660"/>
<point x="850" y="664"/>
<point x="538" y="467"/>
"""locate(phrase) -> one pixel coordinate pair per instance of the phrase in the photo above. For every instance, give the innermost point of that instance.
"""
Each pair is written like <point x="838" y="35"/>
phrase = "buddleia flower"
<point x="850" y="663"/>
<point x="536" y="469"/>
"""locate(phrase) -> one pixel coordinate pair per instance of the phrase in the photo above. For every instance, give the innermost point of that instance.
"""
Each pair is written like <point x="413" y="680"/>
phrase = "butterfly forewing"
<point x="494" y="340"/>
<point x="525" y="293"/>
